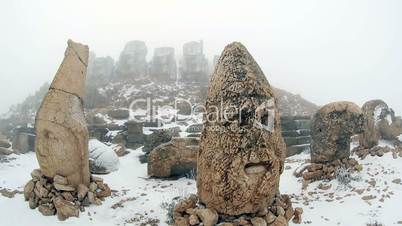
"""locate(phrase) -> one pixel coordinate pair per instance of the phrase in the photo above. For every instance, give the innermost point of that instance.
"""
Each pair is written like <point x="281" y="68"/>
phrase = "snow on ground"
<point x="141" y="197"/>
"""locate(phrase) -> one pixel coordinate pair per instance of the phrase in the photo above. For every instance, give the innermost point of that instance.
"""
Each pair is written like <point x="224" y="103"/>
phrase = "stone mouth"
<point x="257" y="168"/>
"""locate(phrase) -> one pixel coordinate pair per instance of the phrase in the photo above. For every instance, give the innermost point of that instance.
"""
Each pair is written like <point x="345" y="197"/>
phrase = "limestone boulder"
<point x="61" y="132"/>
<point x="241" y="154"/>
<point x="331" y="129"/>
<point x="4" y="143"/>
<point x="174" y="159"/>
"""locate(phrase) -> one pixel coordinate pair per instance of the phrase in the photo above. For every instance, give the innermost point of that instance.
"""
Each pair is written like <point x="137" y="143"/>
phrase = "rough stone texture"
<point x="163" y="66"/>
<point x="371" y="135"/>
<point x="380" y="123"/>
<point x="187" y="212"/>
<point x="62" y="136"/>
<point x="132" y="63"/>
<point x="62" y="200"/>
<point x="240" y="159"/>
<point x="331" y="130"/>
<point x="327" y="171"/>
<point x="194" y="65"/>
<point x="176" y="158"/>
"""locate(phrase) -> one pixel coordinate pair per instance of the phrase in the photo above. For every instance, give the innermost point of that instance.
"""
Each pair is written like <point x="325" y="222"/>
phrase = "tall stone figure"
<point x="241" y="154"/>
<point x="61" y="131"/>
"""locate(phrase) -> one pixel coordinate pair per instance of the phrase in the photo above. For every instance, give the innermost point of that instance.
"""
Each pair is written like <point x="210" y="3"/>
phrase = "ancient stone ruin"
<point x="380" y="123"/>
<point x="174" y="159"/>
<point x="194" y="65"/>
<point x="163" y="65"/>
<point x="331" y="130"/>
<point x="63" y="184"/>
<point x="296" y="133"/>
<point x="241" y="154"/>
<point x="132" y="63"/>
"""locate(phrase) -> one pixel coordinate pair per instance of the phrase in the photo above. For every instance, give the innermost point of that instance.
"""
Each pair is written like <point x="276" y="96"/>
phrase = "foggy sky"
<point x="324" y="50"/>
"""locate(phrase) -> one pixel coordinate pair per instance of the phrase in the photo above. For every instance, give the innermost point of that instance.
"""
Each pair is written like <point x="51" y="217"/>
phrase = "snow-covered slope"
<point x="136" y="200"/>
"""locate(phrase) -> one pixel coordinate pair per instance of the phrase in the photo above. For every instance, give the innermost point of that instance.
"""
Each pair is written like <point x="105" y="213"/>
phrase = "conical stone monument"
<point x="63" y="185"/>
<point x="242" y="151"/>
<point x="62" y="136"/>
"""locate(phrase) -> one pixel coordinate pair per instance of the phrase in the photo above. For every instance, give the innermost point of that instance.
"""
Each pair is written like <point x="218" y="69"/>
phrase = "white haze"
<point x="324" y="50"/>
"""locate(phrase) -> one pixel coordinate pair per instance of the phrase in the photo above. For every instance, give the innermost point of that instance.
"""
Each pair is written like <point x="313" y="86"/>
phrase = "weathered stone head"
<point x="61" y="132"/>
<point x="331" y="130"/>
<point x="242" y="151"/>
<point x="380" y="123"/>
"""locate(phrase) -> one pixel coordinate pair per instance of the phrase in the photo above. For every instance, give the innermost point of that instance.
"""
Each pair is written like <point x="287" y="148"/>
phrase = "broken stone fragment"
<point x="28" y="190"/>
<point x="36" y="174"/>
<point x="61" y="132"/>
<point x="65" y="209"/>
<point x="60" y="180"/>
<point x="82" y="191"/>
<point x="208" y="217"/>
<point x="280" y="221"/>
<point x="297" y="216"/>
<point x="258" y="221"/>
<point x="46" y="210"/>
<point x="62" y="187"/>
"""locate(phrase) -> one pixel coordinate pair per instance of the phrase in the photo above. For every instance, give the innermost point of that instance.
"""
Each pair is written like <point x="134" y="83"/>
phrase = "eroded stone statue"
<point x="241" y="154"/>
<point x="331" y="130"/>
<point x="61" y="132"/>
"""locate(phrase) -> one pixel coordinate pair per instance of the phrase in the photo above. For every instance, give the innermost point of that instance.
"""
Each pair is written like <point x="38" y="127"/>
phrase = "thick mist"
<point x="323" y="50"/>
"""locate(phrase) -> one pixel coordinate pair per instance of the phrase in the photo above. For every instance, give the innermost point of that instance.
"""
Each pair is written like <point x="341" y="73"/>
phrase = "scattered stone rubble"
<point x="190" y="212"/>
<point x="326" y="171"/>
<point x="56" y="196"/>
<point x="379" y="151"/>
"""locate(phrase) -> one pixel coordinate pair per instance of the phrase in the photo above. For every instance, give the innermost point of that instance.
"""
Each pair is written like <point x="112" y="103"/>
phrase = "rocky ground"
<point x="368" y="197"/>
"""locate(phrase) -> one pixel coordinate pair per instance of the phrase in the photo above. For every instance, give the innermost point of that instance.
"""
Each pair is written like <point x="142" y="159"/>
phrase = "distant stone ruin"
<point x="163" y="66"/>
<point x="380" y="123"/>
<point x="63" y="184"/>
<point x="296" y="133"/>
<point x="132" y="63"/>
<point x="241" y="156"/>
<point x="194" y="65"/>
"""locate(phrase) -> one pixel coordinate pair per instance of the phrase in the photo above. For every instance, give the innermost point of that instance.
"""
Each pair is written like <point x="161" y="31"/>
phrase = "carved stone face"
<point x="242" y="151"/>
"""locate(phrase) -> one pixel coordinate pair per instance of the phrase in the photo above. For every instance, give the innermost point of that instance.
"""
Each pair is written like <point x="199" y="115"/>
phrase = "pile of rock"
<point x="189" y="212"/>
<point x="379" y="151"/>
<point x="327" y="171"/>
<point x="55" y="196"/>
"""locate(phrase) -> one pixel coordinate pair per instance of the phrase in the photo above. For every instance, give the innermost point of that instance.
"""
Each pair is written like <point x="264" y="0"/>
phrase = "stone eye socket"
<point x="265" y="115"/>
